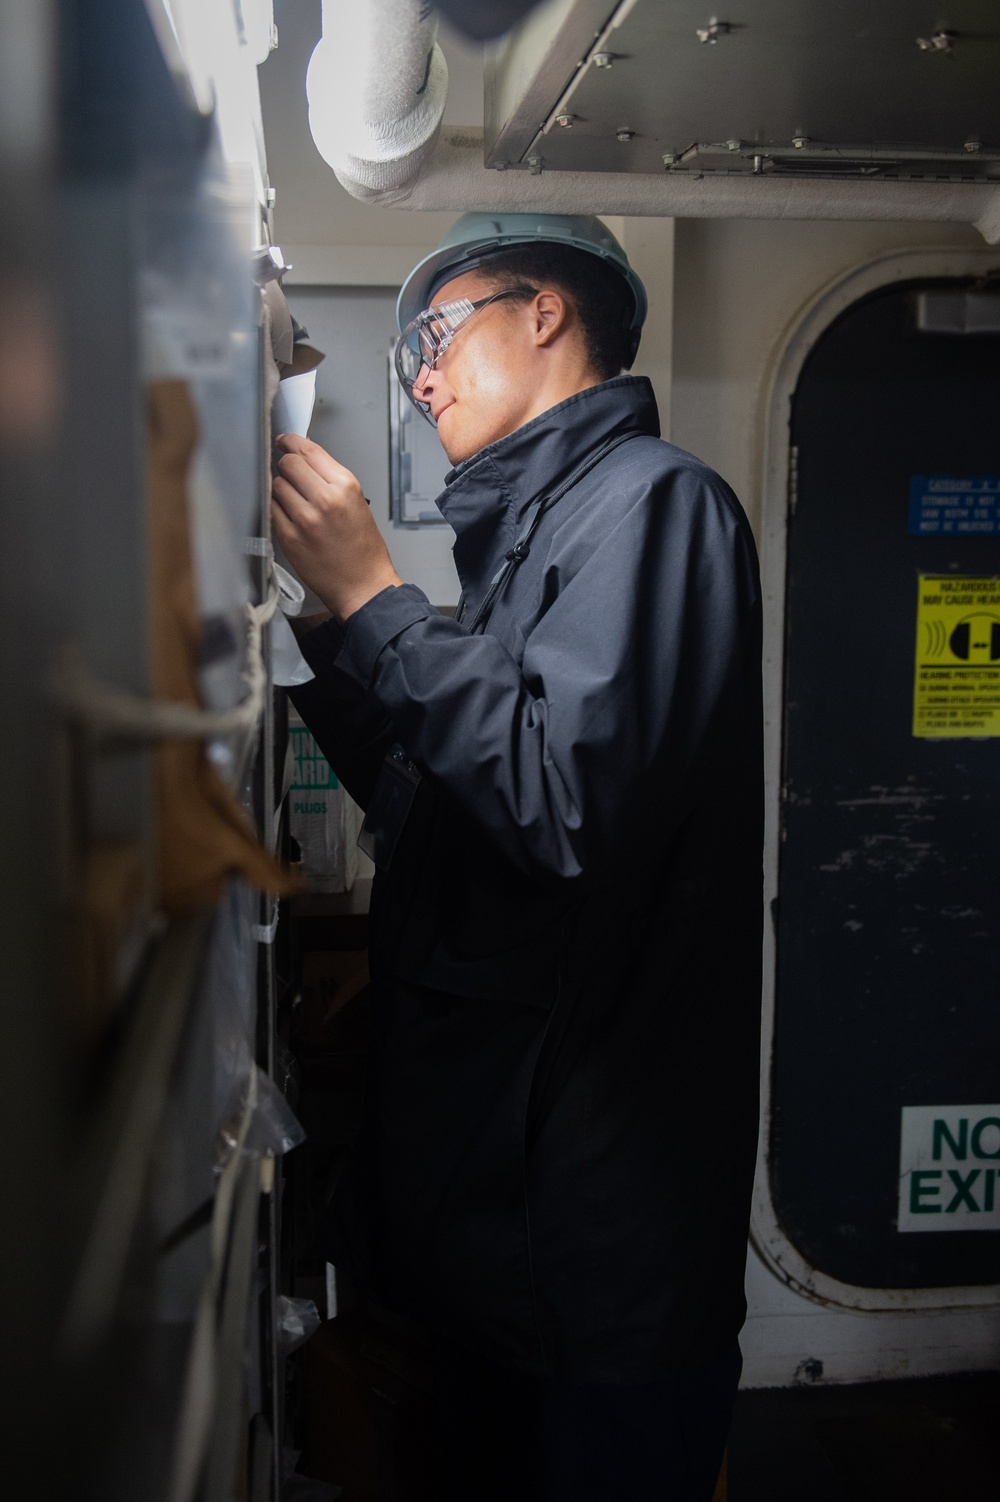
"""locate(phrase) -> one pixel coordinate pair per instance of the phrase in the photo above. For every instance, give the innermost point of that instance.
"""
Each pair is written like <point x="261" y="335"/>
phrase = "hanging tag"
<point x="291" y="592"/>
<point x="389" y="808"/>
<point x="264" y="932"/>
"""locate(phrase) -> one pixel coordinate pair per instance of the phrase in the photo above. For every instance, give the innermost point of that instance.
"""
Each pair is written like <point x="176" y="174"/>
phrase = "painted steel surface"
<point x="888" y="956"/>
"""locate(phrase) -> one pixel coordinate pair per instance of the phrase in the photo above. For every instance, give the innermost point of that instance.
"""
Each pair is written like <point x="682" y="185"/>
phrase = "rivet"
<point x="973" y="144"/>
<point x="713" y="31"/>
<point x="624" y="135"/>
<point x="604" y="59"/>
<point x="733" y="145"/>
<point x="939" y="41"/>
<point x="565" y="121"/>
<point x="799" y="141"/>
<point x="669" y="158"/>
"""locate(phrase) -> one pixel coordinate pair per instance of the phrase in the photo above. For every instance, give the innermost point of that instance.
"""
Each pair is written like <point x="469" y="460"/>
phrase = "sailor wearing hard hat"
<point x="563" y="796"/>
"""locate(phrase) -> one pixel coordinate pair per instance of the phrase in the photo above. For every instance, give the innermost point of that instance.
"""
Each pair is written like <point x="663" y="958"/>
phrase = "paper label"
<point x="955" y="505"/>
<point x="957" y="674"/>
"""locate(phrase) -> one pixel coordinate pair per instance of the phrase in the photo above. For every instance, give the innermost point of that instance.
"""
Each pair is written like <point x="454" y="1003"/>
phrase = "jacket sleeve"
<point x="350" y="726"/>
<point x="562" y="758"/>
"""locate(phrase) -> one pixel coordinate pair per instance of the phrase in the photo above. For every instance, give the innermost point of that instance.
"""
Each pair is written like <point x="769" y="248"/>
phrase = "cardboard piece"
<point x="204" y="834"/>
<point x="304" y="359"/>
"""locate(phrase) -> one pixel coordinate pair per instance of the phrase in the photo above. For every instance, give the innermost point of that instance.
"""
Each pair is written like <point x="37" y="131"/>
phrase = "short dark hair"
<point x="602" y="298"/>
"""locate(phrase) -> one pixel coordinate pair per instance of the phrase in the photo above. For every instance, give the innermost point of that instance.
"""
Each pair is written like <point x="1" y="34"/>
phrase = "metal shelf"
<point x="115" y="1161"/>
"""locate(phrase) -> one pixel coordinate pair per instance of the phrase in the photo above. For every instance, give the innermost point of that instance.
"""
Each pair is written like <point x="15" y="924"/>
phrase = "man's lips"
<point x="436" y="411"/>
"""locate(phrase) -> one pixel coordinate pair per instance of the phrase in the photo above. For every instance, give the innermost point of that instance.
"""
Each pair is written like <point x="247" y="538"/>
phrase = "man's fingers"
<point x="323" y="463"/>
<point x="281" y="525"/>
<point x="307" y="480"/>
<point x="291" y="500"/>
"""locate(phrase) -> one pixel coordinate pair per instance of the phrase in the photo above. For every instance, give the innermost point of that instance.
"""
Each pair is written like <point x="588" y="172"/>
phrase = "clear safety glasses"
<point x="426" y="337"/>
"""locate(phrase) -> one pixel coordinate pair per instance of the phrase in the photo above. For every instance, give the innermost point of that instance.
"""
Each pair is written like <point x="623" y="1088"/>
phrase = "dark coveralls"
<point x="556" y="1166"/>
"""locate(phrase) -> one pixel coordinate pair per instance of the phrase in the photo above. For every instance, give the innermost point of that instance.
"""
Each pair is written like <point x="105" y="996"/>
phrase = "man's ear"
<point x="551" y="316"/>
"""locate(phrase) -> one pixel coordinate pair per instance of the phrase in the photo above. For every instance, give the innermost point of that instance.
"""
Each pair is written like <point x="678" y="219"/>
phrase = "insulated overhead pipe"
<point x="377" y="85"/>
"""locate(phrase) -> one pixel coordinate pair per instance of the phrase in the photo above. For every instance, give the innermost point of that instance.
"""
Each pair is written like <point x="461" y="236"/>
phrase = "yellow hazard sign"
<point x="956" y="689"/>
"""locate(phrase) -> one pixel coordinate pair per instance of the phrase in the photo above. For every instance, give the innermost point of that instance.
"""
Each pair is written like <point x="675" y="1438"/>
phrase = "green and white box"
<point x="323" y="819"/>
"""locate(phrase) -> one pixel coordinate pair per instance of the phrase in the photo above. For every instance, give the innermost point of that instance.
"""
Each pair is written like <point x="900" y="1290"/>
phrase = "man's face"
<point x="481" y="388"/>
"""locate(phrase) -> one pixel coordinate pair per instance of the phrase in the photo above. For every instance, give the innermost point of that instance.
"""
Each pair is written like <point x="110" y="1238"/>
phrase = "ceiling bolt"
<point x="939" y="41"/>
<point x="799" y="140"/>
<point x="713" y="31"/>
<point x="669" y="158"/>
<point x="535" y="163"/>
<point x="604" y="59"/>
<point x="624" y="135"/>
<point x="733" y="144"/>
<point x="565" y="121"/>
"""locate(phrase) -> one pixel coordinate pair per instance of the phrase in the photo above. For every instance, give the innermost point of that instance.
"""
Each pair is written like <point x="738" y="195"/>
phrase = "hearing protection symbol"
<point x="977" y="638"/>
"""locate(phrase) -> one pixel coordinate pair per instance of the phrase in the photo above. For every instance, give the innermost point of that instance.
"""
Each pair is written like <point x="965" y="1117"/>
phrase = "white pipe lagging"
<point x="377" y="87"/>
<point x="377" y="84"/>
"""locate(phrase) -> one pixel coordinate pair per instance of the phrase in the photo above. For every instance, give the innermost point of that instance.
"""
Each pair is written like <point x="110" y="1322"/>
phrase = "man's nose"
<point x="423" y="387"/>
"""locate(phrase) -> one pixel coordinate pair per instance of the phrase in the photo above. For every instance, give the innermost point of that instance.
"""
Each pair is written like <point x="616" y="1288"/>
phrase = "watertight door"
<point x="885" y="1151"/>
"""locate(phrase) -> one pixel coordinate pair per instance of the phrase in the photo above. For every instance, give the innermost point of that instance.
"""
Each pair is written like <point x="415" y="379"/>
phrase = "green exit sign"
<point x="949" y="1163"/>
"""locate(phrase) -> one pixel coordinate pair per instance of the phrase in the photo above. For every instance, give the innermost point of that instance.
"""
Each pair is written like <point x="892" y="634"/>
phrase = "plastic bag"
<point x="274" y="1127"/>
<point x="288" y="666"/>
<point x="231" y="984"/>
<point x="297" y="1320"/>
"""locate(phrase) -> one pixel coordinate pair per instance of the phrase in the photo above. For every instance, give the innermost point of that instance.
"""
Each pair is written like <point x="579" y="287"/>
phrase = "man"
<point x="563" y="789"/>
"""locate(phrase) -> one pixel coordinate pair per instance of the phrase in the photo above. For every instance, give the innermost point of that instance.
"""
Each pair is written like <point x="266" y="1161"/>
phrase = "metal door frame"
<point x="767" y="1235"/>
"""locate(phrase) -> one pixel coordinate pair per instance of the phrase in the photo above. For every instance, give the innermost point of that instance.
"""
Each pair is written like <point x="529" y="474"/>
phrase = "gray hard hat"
<point x="473" y="238"/>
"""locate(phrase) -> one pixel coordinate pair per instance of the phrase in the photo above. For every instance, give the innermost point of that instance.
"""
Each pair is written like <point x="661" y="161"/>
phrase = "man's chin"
<point x="453" y="441"/>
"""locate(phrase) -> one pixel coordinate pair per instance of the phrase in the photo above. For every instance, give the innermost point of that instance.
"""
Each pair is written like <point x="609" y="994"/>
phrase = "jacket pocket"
<point x="476" y="926"/>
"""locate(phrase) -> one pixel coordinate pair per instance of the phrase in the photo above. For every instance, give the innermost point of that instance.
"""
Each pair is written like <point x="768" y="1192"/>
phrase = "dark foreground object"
<point x="511" y="1436"/>
<point x="932" y="1440"/>
<point x="387" y="1420"/>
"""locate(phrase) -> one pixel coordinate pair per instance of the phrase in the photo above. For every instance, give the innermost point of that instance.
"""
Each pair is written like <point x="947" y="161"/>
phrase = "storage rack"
<point x="140" y="1266"/>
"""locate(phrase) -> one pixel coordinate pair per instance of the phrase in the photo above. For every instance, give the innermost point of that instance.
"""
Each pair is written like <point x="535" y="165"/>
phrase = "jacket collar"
<point x="486" y="496"/>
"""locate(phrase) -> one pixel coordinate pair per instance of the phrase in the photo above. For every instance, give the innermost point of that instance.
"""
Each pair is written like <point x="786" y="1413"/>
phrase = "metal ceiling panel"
<point x="539" y="56"/>
<point x="808" y="87"/>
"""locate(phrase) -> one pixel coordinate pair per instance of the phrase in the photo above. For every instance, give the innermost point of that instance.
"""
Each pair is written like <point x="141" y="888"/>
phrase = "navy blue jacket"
<point x="561" y="1121"/>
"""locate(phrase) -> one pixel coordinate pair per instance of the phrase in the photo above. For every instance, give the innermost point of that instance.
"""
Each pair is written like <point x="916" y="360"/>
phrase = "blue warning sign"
<point x="955" y="505"/>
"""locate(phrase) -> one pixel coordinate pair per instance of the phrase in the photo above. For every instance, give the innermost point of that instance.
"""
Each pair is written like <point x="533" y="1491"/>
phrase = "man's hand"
<point x="323" y="523"/>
